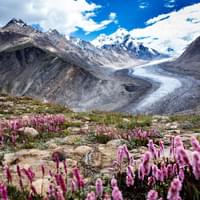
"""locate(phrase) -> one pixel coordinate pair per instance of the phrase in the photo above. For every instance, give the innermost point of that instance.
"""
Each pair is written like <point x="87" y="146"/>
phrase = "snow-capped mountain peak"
<point x="115" y="38"/>
<point x="121" y="40"/>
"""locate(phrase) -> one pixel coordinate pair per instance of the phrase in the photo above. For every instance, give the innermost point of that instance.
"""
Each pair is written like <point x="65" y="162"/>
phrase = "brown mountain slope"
<point x="50" y="67"/>
<point x="189" y="62"/>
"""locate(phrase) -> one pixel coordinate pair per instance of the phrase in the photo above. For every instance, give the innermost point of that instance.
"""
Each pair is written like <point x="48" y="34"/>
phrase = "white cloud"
<point x="170" y="3"/>
<point x="174" y="30"/>
<point x="112" y="16"/>
<point x="143" y="4"/>
<point x="64" y="15"/>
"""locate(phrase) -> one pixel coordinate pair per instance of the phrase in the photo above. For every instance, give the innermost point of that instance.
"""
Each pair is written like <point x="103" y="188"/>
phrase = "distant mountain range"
<point x="76" y="73"/>
<point x="69" y="71"/>
<point x="121" y="41"/>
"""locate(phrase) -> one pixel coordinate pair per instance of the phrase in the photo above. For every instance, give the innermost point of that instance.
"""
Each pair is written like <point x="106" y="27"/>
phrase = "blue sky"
<point x="88" y="19"/>
<point x="130" y="14"/>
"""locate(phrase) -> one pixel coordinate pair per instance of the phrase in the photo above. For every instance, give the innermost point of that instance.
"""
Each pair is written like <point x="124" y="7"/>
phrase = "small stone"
<point x="172" y="126"/>
<point x="86" y="118"/>
<point x="74" y="129"/>
<point x="28" y="131"/>
<point x="52" y="146"/>
<point x="71" y="139"/>
<point x="108" y="154"/>
<point x="24" y="155"/>
<point x="116" y="142"/>
<point x="85" y="128"/>
<point x="82" y="150"/>
<point x="176" y="131"/>
<point x="10" y="158"/>
<point x="162" y="119"/>
<point x="126" y="120"/>
<point x="155" y="121"/>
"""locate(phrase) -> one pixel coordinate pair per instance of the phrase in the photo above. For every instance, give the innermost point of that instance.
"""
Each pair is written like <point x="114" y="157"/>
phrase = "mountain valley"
<point x="73" y="72"/>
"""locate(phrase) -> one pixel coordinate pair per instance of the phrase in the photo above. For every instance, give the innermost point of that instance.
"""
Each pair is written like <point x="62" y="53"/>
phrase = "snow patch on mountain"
<point x="121" y="41"/>
<point x="115" y="38"/>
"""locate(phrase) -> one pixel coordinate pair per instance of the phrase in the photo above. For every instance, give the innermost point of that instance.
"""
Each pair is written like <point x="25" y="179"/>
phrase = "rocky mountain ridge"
<point x="188" y="63"/>
<point x="121" y="41"/>
<point x="48" y="66"/>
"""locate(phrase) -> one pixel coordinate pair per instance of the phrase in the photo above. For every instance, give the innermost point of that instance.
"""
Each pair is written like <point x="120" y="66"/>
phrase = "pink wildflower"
<point x="175" y="169"/>
<point x="62" y="183"/>
<point x="99" y="187"/>
<point x="59" y="194"/>
<point x="129" y="177"/>
<point x="152" y="195"/>
<point x="20" y="177"/>
<point x="181" y="174"/>
<point x="113" y="182"/>
<point x="195" y="144"/>
<point x="8" y="174"/>
<point x="91" y="196"/>
<point x="151" y="181"/>
<point x="145" y="166"/>
<point x="30" y="174"/>
<point x="79" y="179"/>
<point x="129" y="181"/>
<point x="182" y="157"/>
<point x="174" y="190"/>
<point x="120" y="155"/>
<point x="3" y="192"/>
<point x="51" y="192"/>
<point x="152" y="149"/>
<point x="116" y="194"/>
<point x="178" y="143"/>
<point x="172" y="147"/>
<point x="33" y="190"/>
<point x="43" y="170"/>
<point x="164" y="171"/>
<point x="65" y="166"/>
<point x="161" y="148"/>
<point x="196" y="165"/>
<point x="73" y="186"/>
<point x="169" y="170"/>
<point x="159" y="175"/>
<point x="126" y="152"/>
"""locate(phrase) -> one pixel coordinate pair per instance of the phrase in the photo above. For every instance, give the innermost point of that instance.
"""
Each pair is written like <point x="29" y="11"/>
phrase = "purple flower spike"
<point x="116" y="194"/>
<point x="152" y="195"/>
<point x="91" y="196"/>
<point x="196" y="165"/>
<point x="99" y="187"/>
<point x="174" y="190"/>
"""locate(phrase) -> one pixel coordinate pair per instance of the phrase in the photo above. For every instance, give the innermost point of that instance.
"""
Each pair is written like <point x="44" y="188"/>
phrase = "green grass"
<point x="118" y="120"/>
<point x="101" y="139"/>
<point x="15" y="194"/>
<point x="24" y="142"/>
<point x="25" y="105"/>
